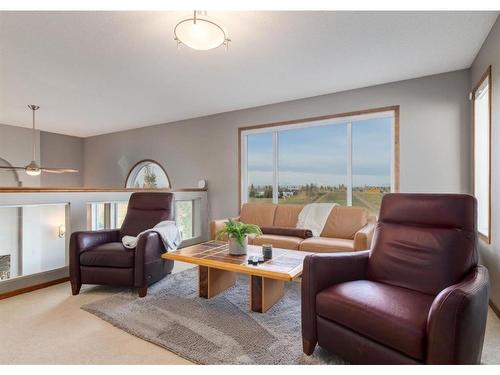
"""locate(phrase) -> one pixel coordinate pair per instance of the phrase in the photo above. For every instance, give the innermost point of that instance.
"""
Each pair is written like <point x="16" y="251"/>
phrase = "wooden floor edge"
<point x="495" y="309"/>
<point x="32" y="288"/>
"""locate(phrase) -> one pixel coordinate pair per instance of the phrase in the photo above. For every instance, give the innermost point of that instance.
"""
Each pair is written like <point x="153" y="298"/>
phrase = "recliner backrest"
<point x="424" y="242"/>
<point x="145" y="210"/>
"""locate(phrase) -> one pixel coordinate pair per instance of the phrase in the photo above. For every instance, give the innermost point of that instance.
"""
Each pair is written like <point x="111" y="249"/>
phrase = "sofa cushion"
<point x="287" y="215"/>
<point x="261" y="214"/>
<point x="393" y="316"/>
<point x="326" y="245"/>
<point x="112" y="254"/>
<point x="282" y="242"/>
<point x="344" y="222"/>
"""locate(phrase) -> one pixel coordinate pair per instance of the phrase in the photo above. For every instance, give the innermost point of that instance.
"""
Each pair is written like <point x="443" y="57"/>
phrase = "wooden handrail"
<point x="88" y="190"/>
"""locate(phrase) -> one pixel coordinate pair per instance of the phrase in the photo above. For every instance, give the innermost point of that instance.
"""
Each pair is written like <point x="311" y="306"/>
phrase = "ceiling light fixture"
<point x="200" y="33"/>
<point x="33" y="169"/>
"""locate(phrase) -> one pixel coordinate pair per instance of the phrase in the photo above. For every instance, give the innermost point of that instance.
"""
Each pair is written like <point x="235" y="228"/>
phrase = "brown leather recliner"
<point x="98" y="257"/>
<point x="418" y="296"/>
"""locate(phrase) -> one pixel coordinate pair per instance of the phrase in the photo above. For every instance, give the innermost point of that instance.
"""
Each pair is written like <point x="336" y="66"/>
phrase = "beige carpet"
<point x="48" y="327"/>
<point x="218" y="331"/>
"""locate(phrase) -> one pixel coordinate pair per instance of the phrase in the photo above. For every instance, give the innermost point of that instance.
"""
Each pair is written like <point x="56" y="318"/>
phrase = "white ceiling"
<point x="100" y="72"/>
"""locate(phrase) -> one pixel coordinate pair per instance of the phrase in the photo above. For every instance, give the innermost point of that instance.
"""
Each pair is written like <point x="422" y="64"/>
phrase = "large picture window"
<point x="481" y="97"/>
<point x="350" y="159"/>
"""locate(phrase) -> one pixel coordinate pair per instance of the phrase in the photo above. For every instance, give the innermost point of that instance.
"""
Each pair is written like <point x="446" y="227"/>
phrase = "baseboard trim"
<point x="32" y="288"/>
<point x="495" y="309"/>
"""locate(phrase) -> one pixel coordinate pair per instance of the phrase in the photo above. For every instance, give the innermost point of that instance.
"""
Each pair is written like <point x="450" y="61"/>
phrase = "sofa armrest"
<point x="457" y="321"/>
<point x="216" y="225"/>
<point x="363" y="237"/>
<point x="319" y="272"/>
<point x="84" y="240"/>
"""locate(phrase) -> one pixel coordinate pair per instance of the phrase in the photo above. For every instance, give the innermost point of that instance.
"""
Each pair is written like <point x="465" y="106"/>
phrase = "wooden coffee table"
<point x="217" y="271"/>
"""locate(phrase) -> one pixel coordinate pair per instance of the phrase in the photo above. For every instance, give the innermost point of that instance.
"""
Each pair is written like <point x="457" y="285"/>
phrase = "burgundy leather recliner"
<point x="418" y="296"/>
<point x="98" y="257"/>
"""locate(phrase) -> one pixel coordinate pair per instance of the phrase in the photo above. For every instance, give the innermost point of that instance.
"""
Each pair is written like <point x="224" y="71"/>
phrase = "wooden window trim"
<point x="394" y="109"/>
<point x="486" y="75"/>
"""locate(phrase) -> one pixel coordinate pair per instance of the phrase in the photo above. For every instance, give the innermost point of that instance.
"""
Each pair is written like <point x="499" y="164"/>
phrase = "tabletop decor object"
<point x="237" y="233"/>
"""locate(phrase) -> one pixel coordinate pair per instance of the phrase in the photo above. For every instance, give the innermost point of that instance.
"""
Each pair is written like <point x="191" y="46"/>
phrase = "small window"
<point x="147" y="174"/>
<point x="481" y="97"/>
<point x="184" y="216"/>
<point x="98" y="221"/>
<point x="106" y="215"/>
<point x="118" y="211"/>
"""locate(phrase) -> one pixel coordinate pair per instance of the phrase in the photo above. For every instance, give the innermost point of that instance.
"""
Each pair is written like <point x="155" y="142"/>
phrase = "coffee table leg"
<point x="213" y="281"/>
<point x="264" y="293"/>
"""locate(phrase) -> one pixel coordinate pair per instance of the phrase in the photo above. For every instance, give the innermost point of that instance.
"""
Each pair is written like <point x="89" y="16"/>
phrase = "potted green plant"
<point x="237" y="233"/>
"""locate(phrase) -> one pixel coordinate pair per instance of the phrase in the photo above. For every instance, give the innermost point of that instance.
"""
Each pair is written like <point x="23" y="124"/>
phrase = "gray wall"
<point x="490" y="55"/>
<point x="435" y="133"/>
<point x="61" y="151"/>
<point x="52" y="150"/>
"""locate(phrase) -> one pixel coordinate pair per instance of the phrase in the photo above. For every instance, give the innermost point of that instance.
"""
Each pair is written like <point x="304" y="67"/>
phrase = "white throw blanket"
<point x="168" y="231"/>
<point x="314" y="215"/>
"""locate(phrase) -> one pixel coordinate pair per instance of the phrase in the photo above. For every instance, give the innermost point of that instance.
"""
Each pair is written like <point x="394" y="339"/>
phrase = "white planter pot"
<point x="235" y="248"/>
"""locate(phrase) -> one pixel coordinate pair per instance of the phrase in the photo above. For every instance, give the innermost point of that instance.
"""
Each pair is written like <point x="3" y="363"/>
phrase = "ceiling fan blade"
<point x="59" y="170"/>
<point x="51" y="171"/>
<point x="11" y="168"/>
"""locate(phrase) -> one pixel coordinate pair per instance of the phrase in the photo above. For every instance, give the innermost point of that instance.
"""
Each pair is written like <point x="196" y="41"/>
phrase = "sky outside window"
<point x="313" y="163"/>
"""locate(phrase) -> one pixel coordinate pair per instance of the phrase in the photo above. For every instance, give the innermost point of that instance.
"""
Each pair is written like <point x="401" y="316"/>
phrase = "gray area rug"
<point x="221" y="330"/>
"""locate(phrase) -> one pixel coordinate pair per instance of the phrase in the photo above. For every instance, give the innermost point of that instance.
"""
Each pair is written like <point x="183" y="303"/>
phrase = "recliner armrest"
<point x="148" y="250"/>
<point x="457" y="321"/>
<point x="363" y="237"/>
<point x="84" y="240"/>
<point x="151" y="245"/>
<point x="321" y="271"/>
<point x="216" y="225"/>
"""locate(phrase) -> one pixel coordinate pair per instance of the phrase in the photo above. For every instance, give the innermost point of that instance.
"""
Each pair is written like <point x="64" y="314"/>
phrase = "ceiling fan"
<point x="33" y="169"/>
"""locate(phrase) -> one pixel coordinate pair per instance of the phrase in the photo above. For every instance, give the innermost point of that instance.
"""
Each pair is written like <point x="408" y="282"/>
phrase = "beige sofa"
<point x="346" y="229"/>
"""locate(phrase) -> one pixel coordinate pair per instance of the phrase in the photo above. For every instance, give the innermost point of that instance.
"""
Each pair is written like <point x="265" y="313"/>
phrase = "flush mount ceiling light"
<point x="200" y="33"/>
